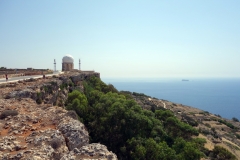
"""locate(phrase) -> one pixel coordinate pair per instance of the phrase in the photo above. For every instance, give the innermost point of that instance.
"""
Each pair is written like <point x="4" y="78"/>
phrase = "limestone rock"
<point x="25" y="93"/>
<point x="90" y="151"/>
<point x="74" y="131"/>
<point x="96" y="150"/>
<point x="43" y="131"/>
<point x="80" y="77"/>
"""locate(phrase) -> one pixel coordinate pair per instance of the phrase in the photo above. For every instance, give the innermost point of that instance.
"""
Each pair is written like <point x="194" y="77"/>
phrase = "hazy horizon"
<point x="134" y="39"/>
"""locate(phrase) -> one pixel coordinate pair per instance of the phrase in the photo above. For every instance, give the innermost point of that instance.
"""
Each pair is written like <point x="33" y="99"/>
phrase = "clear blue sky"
<point x="124" y="38"/>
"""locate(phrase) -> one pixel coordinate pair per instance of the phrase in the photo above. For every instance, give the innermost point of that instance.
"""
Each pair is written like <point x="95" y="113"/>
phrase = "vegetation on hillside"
<point x="117" y="121"/>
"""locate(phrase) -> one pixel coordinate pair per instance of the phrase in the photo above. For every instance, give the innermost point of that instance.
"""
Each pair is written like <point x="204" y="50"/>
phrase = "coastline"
<point x="218" y="96"/>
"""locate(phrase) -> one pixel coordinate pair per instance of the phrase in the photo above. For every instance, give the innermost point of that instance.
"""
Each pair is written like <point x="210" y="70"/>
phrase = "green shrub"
<point x="129" y="131"/>
<point x="139" y="94"/>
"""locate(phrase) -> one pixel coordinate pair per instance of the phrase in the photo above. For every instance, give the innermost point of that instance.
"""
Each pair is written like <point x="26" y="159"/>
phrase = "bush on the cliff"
<point x="189" y="150"/>
<point x="77" y="95"/>
<point x="128" y="130"/>
<point x="77" y="101"/>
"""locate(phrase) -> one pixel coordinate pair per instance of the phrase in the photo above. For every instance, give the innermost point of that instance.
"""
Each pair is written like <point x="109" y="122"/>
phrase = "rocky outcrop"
<point x="43" y="131"/>
<point x="47" y="93"/>
<point x="74" y="131"/>
<point x="44" y="145"/>
<point x="94" y="150"/>
<point x="25" y="93"/>
<point x="54" y="91"/>
<point x="80" y="77"/>
<point x="31" y="134"/>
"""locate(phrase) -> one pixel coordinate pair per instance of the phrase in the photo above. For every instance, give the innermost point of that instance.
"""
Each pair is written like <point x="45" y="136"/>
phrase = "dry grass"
<point x="209" y="145"/>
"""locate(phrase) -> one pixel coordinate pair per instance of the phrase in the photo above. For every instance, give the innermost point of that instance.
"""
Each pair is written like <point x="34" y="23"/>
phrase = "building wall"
<point x="67" y="66"/>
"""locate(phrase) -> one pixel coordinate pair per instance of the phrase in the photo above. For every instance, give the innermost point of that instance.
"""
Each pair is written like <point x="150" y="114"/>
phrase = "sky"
<point x="124" y="39"/>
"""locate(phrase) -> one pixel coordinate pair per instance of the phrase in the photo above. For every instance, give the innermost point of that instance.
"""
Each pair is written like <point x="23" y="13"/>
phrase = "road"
<point x="15" y="79"/>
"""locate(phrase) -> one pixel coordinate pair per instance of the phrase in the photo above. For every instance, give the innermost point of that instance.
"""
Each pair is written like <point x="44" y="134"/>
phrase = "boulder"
<point x="74" y="131"/>
<point x="90" y="151"/>
<point x="96" y="150"/>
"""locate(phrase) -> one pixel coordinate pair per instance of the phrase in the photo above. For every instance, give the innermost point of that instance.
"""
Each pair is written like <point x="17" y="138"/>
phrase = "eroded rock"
<point x="43" y="131"/>
<point x="74" y="131"/>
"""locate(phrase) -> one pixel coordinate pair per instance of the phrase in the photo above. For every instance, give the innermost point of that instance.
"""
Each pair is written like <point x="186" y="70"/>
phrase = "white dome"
<point x="67" y="59"/>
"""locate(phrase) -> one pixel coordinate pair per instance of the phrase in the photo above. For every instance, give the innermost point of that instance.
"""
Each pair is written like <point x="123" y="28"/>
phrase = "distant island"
<point x="186" y="80"/>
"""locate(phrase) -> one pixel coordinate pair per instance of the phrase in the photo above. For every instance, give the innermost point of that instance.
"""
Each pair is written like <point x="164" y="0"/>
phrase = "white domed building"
<point x="67" y="63"/>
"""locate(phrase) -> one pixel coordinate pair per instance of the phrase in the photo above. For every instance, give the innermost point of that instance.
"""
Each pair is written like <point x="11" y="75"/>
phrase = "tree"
<point x="77" y="101"/>
<point x="188" y="150"/>
<point x="163" y="115"/>
<point x="129" y="131"/>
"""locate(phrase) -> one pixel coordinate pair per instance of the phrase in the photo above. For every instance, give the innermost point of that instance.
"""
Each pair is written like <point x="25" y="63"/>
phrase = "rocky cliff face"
<point x="43" y="131"/>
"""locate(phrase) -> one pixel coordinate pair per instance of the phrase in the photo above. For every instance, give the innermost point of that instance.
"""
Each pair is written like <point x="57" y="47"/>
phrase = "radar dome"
<point x="67" y="59"/>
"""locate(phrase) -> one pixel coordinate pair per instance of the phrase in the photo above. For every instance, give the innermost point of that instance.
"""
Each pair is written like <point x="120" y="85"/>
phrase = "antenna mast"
<point x="79" y="64"/>
<point x="54" y="65"/>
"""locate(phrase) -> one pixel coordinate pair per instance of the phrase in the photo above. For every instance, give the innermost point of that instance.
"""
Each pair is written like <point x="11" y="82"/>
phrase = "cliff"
<point x="33" y="125"/>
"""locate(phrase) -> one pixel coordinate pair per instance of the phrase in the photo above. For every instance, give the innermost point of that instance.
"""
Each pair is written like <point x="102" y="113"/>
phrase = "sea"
<point x="220" y="96"/>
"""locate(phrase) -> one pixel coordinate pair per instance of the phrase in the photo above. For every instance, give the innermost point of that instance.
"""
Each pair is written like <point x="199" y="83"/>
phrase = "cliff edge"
<point x="34" y="131"/>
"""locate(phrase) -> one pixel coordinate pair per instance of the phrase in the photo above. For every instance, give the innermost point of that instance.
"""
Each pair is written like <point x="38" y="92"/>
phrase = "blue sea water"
<point x="218" y="96"/>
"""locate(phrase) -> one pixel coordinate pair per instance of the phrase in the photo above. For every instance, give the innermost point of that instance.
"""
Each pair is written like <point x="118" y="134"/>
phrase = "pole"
<point x="79" y="64"/>
<point x="54" y="65"/>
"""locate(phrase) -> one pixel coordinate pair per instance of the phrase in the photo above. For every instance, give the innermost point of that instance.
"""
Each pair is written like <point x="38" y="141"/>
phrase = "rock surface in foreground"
<point x="43" y="131"/>
<point x="74" y="131"/>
